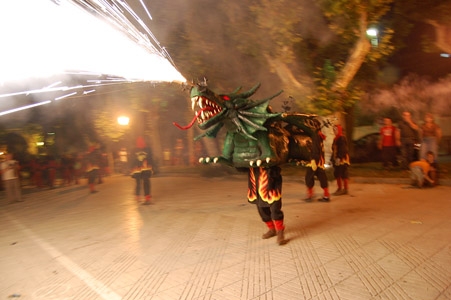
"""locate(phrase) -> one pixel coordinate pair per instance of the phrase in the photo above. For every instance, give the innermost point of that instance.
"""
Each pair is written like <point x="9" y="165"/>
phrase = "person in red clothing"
<point x="36" y="171"/>
<point x="51" y="167"/>
<point x="388" y="143"/>
<point x="67" y="168"/>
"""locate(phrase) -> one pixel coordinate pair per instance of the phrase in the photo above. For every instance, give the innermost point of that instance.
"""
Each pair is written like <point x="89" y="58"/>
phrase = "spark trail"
<point x="95" y="42"/>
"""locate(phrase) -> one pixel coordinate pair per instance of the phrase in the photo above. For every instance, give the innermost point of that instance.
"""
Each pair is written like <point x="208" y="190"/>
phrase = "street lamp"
<point x="123" y="155"/>
<point x="372" y="34"/>
<point x="123" y="120"/>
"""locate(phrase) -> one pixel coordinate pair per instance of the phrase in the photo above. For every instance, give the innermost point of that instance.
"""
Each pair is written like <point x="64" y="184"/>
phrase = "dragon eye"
<point x="225" y="97"/>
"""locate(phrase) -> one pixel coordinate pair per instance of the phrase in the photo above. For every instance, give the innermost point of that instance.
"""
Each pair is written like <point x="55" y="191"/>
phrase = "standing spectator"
<point x="78" y="168"/>
<point x="340" y="161"/>
<point x="37" y="172"/>
<point x="409" y="137"/>
<point x="10" y="176"/>
<point x="389" y="140"/>
<point x="316" y="168"/>
<point x="67" y="168"/>
<point x="423" y="171"/>
<point x="103" y="167"/>
<point x="92" y="167"/>
<point x="123" y="161"/>
<point x="431" y="134"/>
<point x="52" y="167"/>
<point x="265" y="191"/>
<point x="141" y="172"/>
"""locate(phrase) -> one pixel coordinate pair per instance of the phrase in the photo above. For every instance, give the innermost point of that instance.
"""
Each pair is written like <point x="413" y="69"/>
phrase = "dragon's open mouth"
<point x="208" y="110"/>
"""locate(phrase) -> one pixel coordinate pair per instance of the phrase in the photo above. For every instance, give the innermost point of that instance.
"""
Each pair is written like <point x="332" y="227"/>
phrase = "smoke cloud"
<point x="415" y="94"/>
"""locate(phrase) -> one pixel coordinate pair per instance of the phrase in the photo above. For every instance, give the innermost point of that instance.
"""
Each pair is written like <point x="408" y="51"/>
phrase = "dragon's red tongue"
<point x="192" y="121"/>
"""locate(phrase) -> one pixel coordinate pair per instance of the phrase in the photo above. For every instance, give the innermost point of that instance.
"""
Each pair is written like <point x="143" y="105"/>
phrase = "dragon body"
<point x="255" y="135"/>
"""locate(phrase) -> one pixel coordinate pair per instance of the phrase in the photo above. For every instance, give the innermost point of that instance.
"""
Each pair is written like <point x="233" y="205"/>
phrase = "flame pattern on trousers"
<point x="262" y="186"/>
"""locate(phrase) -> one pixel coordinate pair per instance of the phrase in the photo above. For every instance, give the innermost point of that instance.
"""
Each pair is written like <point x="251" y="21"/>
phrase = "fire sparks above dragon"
<point x="74" y="46"/>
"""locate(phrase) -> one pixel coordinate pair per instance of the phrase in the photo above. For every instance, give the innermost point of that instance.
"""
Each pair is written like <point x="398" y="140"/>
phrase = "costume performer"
<point x="258" y="141"/>
<point x="265" y="190"/>
<point x="340" y="161"/>
<point x="316" y="168"/>
<point x="141" y="170"/>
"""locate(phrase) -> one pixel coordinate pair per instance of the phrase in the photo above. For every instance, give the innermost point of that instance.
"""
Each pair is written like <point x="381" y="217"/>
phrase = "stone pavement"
<point x="202" y="240"/>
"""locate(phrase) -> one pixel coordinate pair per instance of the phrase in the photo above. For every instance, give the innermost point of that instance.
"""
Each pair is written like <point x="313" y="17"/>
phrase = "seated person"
<point x="423" y="171"/>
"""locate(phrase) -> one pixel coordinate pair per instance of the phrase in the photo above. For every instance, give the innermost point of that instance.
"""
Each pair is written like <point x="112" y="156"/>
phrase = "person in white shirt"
<point x="10" y="176"/>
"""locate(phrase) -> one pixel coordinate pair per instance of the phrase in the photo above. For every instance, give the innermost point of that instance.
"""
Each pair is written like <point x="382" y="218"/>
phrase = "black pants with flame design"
<point x="265" y="190"/>
<point x="320" y="173"/>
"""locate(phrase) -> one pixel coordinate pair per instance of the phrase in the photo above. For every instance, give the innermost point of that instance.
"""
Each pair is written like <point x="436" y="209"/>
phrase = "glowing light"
<point x="373" y="36"/>
<point x="66" y="39"/>
<point x="123" y="120"/>
<point x="53" y="46"/>
<point x="373" y="32"/>
<point x="51" y="38"/>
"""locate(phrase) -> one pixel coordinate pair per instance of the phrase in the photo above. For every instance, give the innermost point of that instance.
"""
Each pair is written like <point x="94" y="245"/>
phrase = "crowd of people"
<point x="264" y="183"/>
<point x="417" y="144"/>
<point x="92" y="165"/>
<point x="48" y="171"/>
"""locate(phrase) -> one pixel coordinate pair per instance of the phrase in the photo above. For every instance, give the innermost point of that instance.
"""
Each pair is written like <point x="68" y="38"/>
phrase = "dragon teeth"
<point x="194" y="101"/>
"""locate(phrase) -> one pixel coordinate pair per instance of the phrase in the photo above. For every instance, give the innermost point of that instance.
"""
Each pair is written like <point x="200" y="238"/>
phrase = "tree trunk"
<point x="442" y="36"/>
<point x="353" y="64"/>
<point x="285" y="75"/>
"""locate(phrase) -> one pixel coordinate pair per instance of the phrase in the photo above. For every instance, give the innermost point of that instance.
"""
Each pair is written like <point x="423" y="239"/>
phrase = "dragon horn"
<point x="250" y="92"/>
<point x="236" y="90"/>
<point x="256" y="103"/>
<point x="253" y="125"/>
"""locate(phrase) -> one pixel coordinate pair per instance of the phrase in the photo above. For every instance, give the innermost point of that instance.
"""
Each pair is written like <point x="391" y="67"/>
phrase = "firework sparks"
<point x="67" y="38"/>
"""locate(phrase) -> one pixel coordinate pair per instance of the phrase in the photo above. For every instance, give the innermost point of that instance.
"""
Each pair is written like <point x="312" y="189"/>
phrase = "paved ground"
<point x="201" y="240"/>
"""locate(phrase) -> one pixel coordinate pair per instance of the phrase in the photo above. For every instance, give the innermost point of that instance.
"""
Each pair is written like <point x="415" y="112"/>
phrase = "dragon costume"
<point x="257" y="140"/>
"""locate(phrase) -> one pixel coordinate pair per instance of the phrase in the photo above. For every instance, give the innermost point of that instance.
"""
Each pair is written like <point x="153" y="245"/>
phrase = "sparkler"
<point x="103" y="40"/>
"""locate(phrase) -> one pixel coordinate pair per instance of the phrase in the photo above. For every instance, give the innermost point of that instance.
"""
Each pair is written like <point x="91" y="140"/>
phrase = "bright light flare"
<point x="123" y="120"/>
<point x="76" y="44"/>
<point x="41" y="38"/>
<point x="372" y="32"/>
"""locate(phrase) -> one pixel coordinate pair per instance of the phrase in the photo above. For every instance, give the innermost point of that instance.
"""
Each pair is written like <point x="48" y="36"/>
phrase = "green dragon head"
<point x="235" y="111"/>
